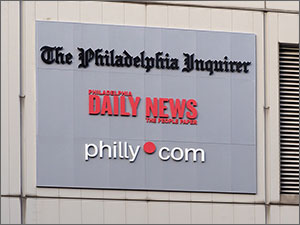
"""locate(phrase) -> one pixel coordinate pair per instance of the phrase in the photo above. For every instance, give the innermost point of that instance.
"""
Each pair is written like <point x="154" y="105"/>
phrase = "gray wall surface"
<point x="226" y="128"/>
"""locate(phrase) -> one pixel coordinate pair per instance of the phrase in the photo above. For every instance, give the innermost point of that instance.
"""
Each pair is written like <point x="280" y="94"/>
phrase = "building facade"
<point x="275" y="25"/>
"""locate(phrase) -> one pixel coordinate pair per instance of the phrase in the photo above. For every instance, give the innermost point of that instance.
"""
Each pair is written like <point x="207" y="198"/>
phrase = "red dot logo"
<point x="149" y="147"/>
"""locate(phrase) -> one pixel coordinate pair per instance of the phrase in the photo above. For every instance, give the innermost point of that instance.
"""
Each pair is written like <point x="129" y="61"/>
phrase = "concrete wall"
<point x="279" y="24"/>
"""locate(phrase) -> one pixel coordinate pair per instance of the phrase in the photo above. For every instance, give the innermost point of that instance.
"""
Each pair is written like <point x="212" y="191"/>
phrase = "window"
<point x="289" y="118"/>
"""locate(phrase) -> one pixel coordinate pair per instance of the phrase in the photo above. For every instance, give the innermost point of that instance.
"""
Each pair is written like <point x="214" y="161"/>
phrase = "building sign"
<point x="122" y="107"/>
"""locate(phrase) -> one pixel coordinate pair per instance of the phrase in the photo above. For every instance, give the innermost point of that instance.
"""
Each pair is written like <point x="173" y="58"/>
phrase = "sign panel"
<point x="122" y="107"/>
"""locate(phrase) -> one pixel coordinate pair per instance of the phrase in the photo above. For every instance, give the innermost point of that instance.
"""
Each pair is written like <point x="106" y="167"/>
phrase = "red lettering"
<point x="134" y="104"/>
<point x="162" y="107"/>
<point x="94" y="109"/>
<point x="191" y="104"/>
<point x="177" y="108"/>
<point x="116" y="105"/>
<point x="151" y="107"/>
<point x="106" y="106"/>
<point x="123" y="107"/>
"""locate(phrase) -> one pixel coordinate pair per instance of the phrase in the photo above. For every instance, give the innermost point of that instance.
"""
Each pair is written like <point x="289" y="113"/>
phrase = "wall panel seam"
<point x="213" y="7"/>
<point x="143" y="200"/>
<point x="152" y="200"/>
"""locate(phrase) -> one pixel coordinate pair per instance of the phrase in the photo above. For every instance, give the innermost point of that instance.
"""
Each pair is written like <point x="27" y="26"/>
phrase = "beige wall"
<point x="75" y="205"/>
<point x="280" y="27"/>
